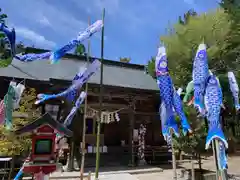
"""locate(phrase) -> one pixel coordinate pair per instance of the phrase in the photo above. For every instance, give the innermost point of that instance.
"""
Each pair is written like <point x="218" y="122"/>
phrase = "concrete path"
<point x="108" y="172"/>
<point x="165" y="175"/>
<point x="153" y="173"/>
<point x="106" y="176"/>
<point x="208" y="164"/>
<point x="121" y="176"/>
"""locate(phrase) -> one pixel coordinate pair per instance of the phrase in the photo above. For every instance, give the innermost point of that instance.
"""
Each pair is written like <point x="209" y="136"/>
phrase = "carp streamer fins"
<point x="72" y="113"/>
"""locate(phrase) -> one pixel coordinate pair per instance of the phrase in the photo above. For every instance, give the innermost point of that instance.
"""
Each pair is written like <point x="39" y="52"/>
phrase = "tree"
<point x="186" y="17"/>
<point x="20" y="47"/>
<point x="192" y="144"/>
<point x="80" y="50"/>
<point x="2" y="16"/>
<point x="181" y="45"/>
<point x="125" y="60"/>
<point x="232" y="45"/>
<point x="11" y="145"/>
<point x="5" y="51"/>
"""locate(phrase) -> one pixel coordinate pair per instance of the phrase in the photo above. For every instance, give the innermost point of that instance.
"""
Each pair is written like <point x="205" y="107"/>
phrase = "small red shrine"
<point x="43" y="155"/>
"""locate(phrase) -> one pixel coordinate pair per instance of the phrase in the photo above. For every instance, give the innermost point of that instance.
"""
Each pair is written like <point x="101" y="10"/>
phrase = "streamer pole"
<point x="100" y="101"/>
<point x="85" y="114"/>
<point x="174" y="165"/>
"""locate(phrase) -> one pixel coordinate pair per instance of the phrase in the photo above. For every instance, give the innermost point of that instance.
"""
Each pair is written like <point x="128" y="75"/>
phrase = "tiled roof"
<point x="114" y="73"/>
<point x="45" y="119"/>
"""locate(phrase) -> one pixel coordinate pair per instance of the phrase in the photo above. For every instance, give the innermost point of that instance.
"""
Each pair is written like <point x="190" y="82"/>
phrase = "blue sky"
<point x="132" y="27"/>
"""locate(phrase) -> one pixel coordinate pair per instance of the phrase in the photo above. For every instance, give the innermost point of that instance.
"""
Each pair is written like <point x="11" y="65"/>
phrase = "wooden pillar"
<point x="132" y="102"/>
<point x="131" y="143"/>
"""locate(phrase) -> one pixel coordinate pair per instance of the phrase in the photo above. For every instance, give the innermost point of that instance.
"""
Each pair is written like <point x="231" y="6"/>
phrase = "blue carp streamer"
<point x="7" y="45"/>
<point x="166" y="92"/>
<point x="234" y="89"/>
<point x="177" y="104"/>
<point x="200" y="76"/>
<point x="80" y="79"/>
<point x="163" y="115"/>
<point x="213" y="101"/>
<point x="55" y="56"/>
<point x="72" y="113"/>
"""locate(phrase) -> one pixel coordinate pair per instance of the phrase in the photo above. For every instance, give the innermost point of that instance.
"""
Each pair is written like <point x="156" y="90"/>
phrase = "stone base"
<point x="142" y="162"/>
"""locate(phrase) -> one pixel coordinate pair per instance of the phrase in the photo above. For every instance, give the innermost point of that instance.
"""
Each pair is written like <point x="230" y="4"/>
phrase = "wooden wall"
<point x="117" y="131"/>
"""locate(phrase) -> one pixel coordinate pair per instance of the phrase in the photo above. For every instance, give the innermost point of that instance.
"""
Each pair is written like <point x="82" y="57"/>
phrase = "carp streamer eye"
<point x="212" y="81"/>
<point x="163" y="64"/>
<point x="201" y="54"/>
<point x="6" y="53"/>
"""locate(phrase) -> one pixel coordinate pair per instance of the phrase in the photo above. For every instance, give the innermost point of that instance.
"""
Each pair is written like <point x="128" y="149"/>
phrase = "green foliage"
<point x="125" y="60"/>
<point x="151" y="67"/>
<point x="10" y="144"/>
<point x="185" y="19"/>
<point x="5" y="54"/>
<point x="232" y="43"/>
<point x="2" y="16"/>
<point x="192" y="143"/>
<point x="181" y="45"/>
<point x="220" y="31"/>
<point x="80" y="50"/>
<point x="20" y="47"/>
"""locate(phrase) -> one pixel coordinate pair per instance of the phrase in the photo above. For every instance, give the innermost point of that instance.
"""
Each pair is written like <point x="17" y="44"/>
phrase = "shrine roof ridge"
<point x="45" y="119"/>
<point x="91" y="58"/>
<point x="116" y="74"/>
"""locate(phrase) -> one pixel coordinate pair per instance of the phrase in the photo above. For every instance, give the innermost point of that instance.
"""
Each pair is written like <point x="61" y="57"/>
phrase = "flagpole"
<point x="85" y="114"/>
<point x="100" y="100"/>
<point x="174" y="164"/>
<point x="220" y="172"/>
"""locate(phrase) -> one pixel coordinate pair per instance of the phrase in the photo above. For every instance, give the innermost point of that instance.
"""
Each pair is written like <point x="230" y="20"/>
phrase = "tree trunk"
<point x="200" y="165"/>
<point x="180" y="154"/>
<point x="199" y="162"/>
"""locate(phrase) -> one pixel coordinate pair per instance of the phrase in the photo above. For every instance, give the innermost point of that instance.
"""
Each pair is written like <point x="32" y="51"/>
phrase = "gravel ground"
<point x="209" y="164"/>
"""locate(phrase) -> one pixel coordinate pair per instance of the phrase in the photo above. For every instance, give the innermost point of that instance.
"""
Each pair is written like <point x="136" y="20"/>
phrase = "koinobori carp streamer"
<point x="55" y="56"/>
<point x="166" y="92"/>
<point x="79" y="80"/>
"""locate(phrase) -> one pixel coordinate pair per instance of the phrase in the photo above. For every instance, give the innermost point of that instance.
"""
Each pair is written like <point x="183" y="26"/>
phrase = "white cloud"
<point x="96" y="6"/>
<point x="190" y="2"/>
<point x="44" y="21"/>
<point x="127" y="13"/>
<point x="112" y="6"/>
<point x="34" y="37"/>
<point x="41" y="12"/>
